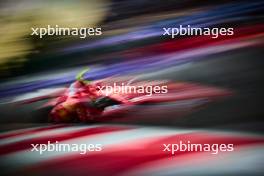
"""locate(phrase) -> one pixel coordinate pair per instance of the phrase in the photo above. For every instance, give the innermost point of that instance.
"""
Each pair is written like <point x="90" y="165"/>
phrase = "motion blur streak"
<point x="215" y="87"/>
<point x="147" y="64"/>
<point x="123" y="155"/>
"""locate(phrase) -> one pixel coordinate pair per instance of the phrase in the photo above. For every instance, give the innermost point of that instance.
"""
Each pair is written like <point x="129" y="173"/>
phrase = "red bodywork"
<point x="74" y="103"/>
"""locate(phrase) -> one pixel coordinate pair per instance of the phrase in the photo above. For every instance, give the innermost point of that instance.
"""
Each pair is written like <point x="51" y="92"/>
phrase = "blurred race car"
<point x="86" y="101"/>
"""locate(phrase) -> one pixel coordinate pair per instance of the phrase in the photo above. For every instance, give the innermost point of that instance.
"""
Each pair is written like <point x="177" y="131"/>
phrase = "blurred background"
<point x="132" y="45"/>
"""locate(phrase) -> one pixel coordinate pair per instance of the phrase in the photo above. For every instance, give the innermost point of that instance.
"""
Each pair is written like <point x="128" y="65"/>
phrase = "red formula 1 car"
<point x="87" y="101"/>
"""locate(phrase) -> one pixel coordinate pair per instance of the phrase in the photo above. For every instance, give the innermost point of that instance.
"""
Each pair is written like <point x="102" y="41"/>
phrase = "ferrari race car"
<point x="86" y="101"/>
